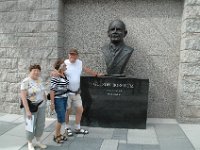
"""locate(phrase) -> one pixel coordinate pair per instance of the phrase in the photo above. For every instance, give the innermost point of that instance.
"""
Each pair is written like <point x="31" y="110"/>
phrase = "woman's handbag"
<point x="48" y="96"/>
<point x="33" y="107"/>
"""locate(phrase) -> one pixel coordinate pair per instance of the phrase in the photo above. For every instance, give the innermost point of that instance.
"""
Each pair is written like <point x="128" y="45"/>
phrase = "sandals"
<point x="58" y="139"/>
<point x="68" y="132"/>
<point x="81" y="131"/>
<point x="64" y="137"/>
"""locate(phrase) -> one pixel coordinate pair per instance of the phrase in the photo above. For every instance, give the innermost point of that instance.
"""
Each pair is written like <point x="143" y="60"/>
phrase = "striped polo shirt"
<point x="59" y="85"/>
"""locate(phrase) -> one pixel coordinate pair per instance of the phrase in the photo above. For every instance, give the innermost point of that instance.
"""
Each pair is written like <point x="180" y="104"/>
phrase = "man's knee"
<point x="79" y="110"/>
<point x="69" y="110"/>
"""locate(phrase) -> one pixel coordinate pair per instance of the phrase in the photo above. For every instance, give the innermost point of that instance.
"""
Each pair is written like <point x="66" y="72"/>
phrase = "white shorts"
<point x="74" y="100"/>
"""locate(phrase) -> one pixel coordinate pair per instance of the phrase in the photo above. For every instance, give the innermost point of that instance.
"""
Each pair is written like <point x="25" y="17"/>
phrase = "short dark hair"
<point x="58" y="63"/>
<point x="73" y="51"/>
<point x="34" y="66"/>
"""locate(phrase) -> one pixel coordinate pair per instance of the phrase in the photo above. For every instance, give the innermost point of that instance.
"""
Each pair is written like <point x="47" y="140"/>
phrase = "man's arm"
<point x="91" y="72"/>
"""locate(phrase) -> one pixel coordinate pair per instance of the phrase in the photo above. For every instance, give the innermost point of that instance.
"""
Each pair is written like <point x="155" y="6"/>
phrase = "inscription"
<point x="114" y="102"/>
<point x="112" y="85"/>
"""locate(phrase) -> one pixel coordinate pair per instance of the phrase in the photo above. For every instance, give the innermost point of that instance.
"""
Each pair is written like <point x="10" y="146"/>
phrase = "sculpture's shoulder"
<point x="105" y="48"/>
<point x="128" y="49"/>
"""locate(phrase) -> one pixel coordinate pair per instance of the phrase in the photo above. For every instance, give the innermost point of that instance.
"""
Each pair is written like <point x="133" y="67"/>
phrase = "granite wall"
<point x="164" y="34"/>
<point x="154" y="29"/>
<point x="188" y="100"/>
<point x="29" y="33"/>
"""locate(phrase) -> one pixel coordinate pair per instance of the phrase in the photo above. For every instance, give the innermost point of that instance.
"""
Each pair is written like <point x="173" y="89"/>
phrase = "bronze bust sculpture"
<point x="116" y="53"/>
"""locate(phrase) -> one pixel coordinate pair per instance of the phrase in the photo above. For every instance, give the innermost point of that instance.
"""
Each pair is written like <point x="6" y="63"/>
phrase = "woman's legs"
<point x="40" y="124"/>
<point x="39" y="143"/>
<point x="40" y="121"/>
<point x="30" y="135"/>
<point x="60" y="108"/>
<point x="58" y="129"/>
<point x="30" y="145"/>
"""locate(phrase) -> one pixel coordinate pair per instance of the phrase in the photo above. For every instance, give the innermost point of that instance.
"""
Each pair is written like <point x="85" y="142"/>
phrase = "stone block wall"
<point x="29" y="33"/>
<point x="188" y="101"/>
<point x="154" y="29"/>
<point x="164" y="34"/>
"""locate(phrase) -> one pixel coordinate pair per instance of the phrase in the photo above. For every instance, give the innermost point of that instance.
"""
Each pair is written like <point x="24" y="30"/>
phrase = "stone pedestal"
<point x="117" y="102"/>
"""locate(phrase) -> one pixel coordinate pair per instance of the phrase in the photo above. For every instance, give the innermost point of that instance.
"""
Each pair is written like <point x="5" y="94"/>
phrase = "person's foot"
<point x="69" y="132"/>
<point x="58" y="139"/>
<point x="30" y="146"/>
<point x="81" y="131"/>
<point x="41" y="145"/>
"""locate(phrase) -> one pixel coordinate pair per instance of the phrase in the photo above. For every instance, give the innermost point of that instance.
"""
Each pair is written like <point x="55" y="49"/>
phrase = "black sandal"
<point x="81" y="131"/>
<point x="58" y="139"/>
<point x="64" y="136"/>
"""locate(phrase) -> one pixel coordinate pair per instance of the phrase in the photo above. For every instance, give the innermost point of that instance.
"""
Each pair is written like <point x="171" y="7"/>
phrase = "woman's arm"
<point x="23" y="94"/>
<point x="52" y="96"/>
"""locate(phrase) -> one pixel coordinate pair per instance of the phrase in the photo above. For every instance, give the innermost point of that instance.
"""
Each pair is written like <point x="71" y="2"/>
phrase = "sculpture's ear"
<point x="108" y="33"/>
<point x="125" y="33"/>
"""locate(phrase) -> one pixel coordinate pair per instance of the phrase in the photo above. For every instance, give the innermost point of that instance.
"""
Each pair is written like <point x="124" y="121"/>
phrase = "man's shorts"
<point x="60" y="108"/>
<point x="74" y="100"/>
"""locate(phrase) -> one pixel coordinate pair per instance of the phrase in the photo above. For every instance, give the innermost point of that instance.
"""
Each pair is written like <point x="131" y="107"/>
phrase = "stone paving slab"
<point x="10" y="117"/>
<point x="138" y="147"/>
<point x="192" y="132"/>
<point x="84" y="144"/>
<point x="150" y="147"/>
<point x="172" y="137"/>
<point x="161" y="121"/>
<point x="129" y="147"/>
<point x="175" y="144"/>
<point x="169" y="130"/>
<point x="19" y="120"/>
<point x="103" y="133"/>
<point x="109" y="144"/>
<point x="2" y="114"/>
<point x="50" y="127"/>
<point x="123" y="141"/>
<point x="157" y="136"/>
<point x="50" y="124"/>
<point x="120" y="134"/>
<point x="15" y="131"/>
<point x="142" y="136"/>
<point x="9" y="142"/>
<point x="6" y="126"/>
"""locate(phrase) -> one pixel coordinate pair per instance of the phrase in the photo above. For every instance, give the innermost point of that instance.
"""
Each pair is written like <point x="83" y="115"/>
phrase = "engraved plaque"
<point x="117" y="102"/>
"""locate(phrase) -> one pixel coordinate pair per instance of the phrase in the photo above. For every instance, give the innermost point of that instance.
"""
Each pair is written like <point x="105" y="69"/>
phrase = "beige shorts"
<point x="74" y="100"/>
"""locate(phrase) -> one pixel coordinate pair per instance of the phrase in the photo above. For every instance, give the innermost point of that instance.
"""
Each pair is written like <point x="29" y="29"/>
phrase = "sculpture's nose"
<point x="114" y="30"/>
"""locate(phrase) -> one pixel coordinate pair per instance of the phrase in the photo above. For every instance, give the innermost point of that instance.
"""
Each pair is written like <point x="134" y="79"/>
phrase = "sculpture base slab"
<point x="114" y="102"/>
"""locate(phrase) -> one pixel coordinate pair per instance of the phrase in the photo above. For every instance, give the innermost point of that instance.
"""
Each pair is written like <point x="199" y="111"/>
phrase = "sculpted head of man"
<point x="117" y="31"/>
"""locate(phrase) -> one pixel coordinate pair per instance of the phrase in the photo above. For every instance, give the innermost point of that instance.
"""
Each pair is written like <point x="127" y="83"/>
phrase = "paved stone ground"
<point x="160" y="134"/>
